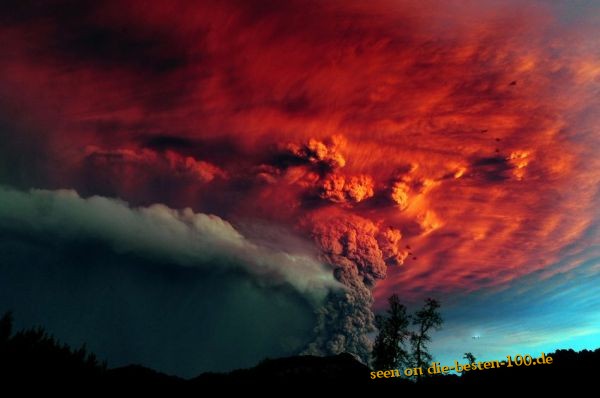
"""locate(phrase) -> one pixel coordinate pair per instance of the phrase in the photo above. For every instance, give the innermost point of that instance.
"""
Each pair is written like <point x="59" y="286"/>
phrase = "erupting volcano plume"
<point x="411" y="147"/>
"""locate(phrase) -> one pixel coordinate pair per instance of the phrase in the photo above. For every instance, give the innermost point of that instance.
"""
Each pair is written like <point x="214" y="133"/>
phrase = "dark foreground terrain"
<point x="33" y="358"/>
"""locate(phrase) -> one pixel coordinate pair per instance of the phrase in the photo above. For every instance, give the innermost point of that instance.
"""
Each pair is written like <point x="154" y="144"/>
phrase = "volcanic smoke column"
<point x="359" y="251"/>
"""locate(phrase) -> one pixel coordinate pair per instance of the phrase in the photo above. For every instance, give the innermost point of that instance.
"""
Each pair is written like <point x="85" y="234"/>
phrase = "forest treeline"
<point x="32" y="356"/>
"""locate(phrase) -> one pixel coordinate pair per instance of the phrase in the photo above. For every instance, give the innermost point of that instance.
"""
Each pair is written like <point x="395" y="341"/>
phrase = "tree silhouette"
<point x="33" y="353"/>
<point x="32" y="357"/>
<point x="426" y="320"/>
<point x="388" y="350"/>
<point x="6" y="323"/>
<point x="469" y="357"/>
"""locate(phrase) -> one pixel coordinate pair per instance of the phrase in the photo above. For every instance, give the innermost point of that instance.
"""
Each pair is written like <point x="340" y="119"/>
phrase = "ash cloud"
<point x="339" y="189"/>
<point x="359" y="252"/>
<point x="179" y="291"/>
<point x="323" y="157"/>
<point x="320" y="164"/>
<point x="404" y="84"/>
<point x="182" y="237"/>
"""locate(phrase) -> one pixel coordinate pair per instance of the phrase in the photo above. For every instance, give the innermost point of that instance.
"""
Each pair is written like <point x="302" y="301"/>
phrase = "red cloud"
<point x="504" y="174"/>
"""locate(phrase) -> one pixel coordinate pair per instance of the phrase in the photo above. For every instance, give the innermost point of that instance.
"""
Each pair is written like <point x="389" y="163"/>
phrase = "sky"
<point x="195" y="186"/>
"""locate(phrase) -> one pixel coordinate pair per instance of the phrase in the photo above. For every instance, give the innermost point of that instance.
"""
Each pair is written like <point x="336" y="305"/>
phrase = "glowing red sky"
<point x="470" y="132"/>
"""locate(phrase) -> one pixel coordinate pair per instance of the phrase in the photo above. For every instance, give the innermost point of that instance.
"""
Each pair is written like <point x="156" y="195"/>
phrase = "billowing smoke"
<point x="181" y="237"/>
<point x="359" y="252"/>
<point x="325" y="155"/>
<point x="325" y="159"/>
<point x="400" y="194"/>
<point x="358" y="249"/>
<point x="182" y="103"/>
<point x="339" y="189"/>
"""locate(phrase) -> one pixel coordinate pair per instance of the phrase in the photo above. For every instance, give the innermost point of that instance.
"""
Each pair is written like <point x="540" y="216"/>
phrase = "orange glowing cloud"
<point x="460" y="147"/>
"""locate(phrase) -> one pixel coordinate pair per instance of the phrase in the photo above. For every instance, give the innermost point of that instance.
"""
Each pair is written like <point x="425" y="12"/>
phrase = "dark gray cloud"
<point x="179" y="291"/>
